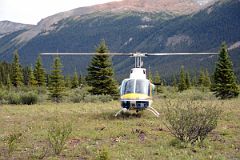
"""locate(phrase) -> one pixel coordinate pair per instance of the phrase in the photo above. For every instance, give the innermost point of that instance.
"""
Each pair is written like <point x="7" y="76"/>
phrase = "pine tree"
<point x="75" y="82"/>
<point x="150" y="76"/>
<point x="194" y="80"/>
<point x="26" y="71"/>
<point x="68" y="83"/>
<point x="5" y="70"/>
<point x="182" y="80"/>
<point x="100" y="74"/>
<point x="9" y="82"/>
<point x="174" y="82"/>
<point x="39" y="73"/>
<point x="47" y="79"/>
<point x="17" y="75"/>
<point x="201" y="78"/>
<point x="157" y="79"/>
<point x="32" y="81"/>
<point x="207" y="80"/>
<point x="187" y="80"/>
<point x="56" y="84"/>
<point x="1" y="85"/>
<point x="225" y="85"/>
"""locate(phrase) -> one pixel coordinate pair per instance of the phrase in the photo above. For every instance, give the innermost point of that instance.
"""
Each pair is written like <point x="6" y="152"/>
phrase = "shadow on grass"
<point x="111" y="116"/>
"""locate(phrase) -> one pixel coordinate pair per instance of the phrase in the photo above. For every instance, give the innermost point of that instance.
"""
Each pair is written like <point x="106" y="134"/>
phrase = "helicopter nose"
<point x="142" y="104"/>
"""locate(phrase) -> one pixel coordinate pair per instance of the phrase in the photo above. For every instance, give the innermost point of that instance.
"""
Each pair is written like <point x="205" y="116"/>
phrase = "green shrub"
<point x="13" y="98"/>
<point x="77" y="95"/>
<point x="191" y="121"/>
<point x="29" y="98"/>
<point x="57" y="136"/>
<point x="12" y="140"/>
<point x="76" y="99"/>
<point x="97" y="98"/>
<point x="3" y="96"/>
<point x="103" y="155"/>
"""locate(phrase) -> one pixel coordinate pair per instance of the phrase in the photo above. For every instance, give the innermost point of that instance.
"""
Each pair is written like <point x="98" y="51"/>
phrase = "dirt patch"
<point x="141" y="134"/>
<point x="74" y="142"/>
<point x="215" y="136"/>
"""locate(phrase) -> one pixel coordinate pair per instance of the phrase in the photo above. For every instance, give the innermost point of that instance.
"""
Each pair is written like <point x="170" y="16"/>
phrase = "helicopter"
<point x="136" y="92"/>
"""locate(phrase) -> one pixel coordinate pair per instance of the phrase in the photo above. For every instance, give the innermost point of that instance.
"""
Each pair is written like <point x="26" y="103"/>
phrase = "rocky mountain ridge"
<point x="178" y="7"/>
<point x="7" y="27"/>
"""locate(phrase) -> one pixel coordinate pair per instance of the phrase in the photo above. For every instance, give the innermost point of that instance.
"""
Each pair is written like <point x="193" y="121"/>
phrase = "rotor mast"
<point x="138" y="59"/>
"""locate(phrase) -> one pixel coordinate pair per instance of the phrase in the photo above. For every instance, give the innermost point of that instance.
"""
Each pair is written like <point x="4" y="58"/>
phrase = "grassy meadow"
<point x="95" y="131"/>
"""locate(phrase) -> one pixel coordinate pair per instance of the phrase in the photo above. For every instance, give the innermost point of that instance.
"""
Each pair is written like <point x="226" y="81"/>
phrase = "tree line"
<point x="14" y="75"/>
<point x="101" y="80"/>
<point x="224" y="83"/>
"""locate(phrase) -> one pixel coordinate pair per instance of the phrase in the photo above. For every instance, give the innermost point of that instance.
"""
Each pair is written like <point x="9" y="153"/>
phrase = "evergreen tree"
<point x="201" y="78"/>
<point x="225" y="85"/>
<point x="32" y="81"/>
<point x="39" y="73"/>
<point x="9" y="82"/>
<point x="182" y="80"/>
<point x="26" y="71"/>
<point x="68" y="83"/>
<point x="157" y="80"/>
<point x="5" y="70"/>
<point x="17" y="75"/>
<point x="207" y="80"/>
<point x="187" y="80"/>
<point x="174" y="83"/>
<point x="150" y="76"/>
<point x="75" y="81"/>
<point x="100" y="73"/>
<point x="1" y="85"/>
<point x="81" y="81"/>
<point x="194" y="80"/>
<point x="47" y="79"/>
<point x="56" y="84"/>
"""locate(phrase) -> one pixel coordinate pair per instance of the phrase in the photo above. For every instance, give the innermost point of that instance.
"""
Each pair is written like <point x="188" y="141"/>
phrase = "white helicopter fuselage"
<point x="136" y="91"/>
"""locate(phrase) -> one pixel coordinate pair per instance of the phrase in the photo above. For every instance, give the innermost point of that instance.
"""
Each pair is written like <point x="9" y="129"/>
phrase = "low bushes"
<point x="191" y="121"/>
<point x="97" y="98"/>
<point x="103" y="155"/>
<point x="81" y="95"/>
<point x="29" y="98"/>
<point x="11" y="97"/>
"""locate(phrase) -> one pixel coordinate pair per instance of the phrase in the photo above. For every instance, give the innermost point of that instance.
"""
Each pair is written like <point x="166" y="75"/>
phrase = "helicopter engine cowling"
<point x="138" y="73"/>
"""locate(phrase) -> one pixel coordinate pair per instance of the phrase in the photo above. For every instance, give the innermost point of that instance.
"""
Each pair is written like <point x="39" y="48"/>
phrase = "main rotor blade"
<point x="178" y="54"/>
<point x="83" y="54"/>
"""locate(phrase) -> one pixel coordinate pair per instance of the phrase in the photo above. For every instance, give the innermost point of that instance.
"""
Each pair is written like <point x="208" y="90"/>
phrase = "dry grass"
<point x="94" y="128"/>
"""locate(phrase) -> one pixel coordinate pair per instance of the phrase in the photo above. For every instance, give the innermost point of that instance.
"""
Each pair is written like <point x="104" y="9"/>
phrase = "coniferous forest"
<point x="14" y="76"/>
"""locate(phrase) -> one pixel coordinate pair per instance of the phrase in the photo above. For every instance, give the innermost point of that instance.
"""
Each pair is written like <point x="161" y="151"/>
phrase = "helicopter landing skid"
<point x="154" y="111"/>
<point x="121" y="110"/>
<point x="151" y="109"/>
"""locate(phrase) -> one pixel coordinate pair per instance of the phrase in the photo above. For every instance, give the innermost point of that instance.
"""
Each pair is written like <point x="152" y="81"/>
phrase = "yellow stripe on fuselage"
<point x="135" y="96"/>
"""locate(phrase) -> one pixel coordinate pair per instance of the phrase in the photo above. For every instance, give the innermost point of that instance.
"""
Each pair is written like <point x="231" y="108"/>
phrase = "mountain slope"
<point x="172" y="6"/>
<point x="131" y="31"/>
<point x="7" y="27"/>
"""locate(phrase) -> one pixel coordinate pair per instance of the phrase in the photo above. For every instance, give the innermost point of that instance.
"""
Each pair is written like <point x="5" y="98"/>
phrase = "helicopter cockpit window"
<point x="142" y="87"/>
<point x="129" y="86"/>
